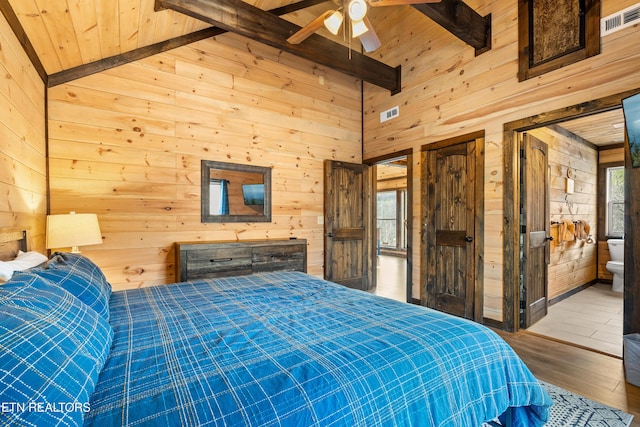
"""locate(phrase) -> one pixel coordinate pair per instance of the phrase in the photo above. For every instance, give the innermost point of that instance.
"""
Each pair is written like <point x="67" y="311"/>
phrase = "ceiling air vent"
<point x="619" y="20"/>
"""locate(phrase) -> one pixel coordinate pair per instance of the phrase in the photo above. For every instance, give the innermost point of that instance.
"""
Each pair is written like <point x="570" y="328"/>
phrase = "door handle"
<point x="549" y="238"/>
<point x="468" y="239"/>
<point x="330" y="235"/>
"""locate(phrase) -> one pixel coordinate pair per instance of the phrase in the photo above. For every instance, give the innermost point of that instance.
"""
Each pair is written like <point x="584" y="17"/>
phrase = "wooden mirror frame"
<point x="205" y="177"/>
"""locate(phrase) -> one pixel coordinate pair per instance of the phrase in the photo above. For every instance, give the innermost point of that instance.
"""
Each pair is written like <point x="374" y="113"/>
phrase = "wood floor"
<point x="391" y="277"/>
<point x="597" y="376"/>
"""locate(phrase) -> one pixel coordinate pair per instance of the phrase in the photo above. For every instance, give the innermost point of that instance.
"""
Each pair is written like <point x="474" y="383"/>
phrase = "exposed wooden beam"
<point x="146" y="51"/>
<point x="461" y="21"/>
<point x="90" y="68"/>
<point x="294" y="7"/>
<point x="252" y="22"/>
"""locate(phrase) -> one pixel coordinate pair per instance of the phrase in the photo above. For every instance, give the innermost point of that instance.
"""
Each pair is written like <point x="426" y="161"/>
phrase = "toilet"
<point x="616" y="265"/>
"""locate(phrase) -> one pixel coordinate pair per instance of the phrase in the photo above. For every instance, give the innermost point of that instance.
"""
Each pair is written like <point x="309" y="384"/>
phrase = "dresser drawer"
<point x="279" y="258"/>
<point x="217" y="262"/>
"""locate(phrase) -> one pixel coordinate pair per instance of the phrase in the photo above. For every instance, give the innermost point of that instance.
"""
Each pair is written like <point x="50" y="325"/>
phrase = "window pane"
<point x="616" y="184"/>
<point x="615" y="202"/>
<point x="386" y="212"/>
<point x="617" y="219"/>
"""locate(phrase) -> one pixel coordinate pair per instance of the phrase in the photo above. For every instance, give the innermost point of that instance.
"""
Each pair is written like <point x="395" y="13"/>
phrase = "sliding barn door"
<point x="535" y="229"/>
<point x="349" y="244"/>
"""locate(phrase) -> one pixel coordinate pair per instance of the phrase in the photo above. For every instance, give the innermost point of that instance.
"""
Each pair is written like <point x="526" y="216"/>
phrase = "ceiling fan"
<point x="356" y="13"/>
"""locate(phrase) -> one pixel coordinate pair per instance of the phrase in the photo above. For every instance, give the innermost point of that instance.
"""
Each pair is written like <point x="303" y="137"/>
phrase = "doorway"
<point x="577" y="259"/>
<point x="578" y="305"/>
<point x="391" y="228"/>
<point x="393" y="224"/>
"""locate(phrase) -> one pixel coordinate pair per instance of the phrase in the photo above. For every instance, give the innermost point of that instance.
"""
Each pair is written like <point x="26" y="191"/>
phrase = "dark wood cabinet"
<point x="197" y="260"/>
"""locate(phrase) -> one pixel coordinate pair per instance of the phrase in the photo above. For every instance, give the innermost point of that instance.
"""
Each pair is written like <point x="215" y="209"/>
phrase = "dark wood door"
<point x="349" y="245"/>
<point x="449" y="230"/>
<point x="535" y="229"/>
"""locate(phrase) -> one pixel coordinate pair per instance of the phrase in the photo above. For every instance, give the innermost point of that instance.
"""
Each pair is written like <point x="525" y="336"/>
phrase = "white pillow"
<point x="5" y="271"/>
<point x="23" y="261"/>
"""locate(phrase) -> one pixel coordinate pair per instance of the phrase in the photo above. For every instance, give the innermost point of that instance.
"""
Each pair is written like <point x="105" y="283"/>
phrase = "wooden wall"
<point x="447" y="91"/>
<point x="391" y="177"/>
<point x="127" y="144"/>
<point x="611" y="155"/>
<point x="573" y="260"/>
<point x="23" y="185"/>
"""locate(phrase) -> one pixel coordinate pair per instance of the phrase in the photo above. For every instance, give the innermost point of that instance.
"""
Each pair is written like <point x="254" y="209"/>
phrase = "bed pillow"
<point x="6" y="271"/>
<point x="52" y="348"/>
<point x="80" y="276"/>
<point x="22" y="261"/>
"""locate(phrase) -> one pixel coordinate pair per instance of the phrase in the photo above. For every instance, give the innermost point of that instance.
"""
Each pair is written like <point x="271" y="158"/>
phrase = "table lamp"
<point x="73" y="230"/>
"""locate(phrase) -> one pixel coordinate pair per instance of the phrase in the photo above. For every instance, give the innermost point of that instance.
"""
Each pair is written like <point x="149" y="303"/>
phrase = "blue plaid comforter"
<point x="288" y="349"/>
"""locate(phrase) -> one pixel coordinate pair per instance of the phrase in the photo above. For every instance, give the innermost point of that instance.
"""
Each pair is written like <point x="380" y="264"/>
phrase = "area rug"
<point x="571" y="410"/>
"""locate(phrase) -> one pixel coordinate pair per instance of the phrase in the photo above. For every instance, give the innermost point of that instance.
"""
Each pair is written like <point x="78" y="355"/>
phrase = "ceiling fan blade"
<point x="376" y="3"/>
<point x="370" y="40"/>
<point x="313" y="26"/>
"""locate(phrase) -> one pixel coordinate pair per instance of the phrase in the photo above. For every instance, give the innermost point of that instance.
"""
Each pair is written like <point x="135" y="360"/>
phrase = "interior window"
<point x="615" y="201"/>
<point x="387" y="210"/>
<point x="391" y="216"/>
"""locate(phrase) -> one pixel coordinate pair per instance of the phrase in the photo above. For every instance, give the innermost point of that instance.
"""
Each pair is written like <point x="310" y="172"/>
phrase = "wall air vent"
<point x="389" y="114"/>
<point x="619" y="20"/>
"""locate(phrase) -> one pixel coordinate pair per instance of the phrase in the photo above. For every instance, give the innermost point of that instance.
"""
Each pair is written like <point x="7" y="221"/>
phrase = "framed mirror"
<point x="235" y="193"/>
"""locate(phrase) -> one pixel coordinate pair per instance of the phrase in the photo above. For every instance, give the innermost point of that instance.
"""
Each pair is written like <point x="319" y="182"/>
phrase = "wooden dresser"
<point x="197" y="260"/>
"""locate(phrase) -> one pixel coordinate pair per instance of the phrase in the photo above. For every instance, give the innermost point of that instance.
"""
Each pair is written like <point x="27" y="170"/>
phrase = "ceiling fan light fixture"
<point x="357" y="10"/>
<point x="334" y="22"/>
<point x="358" y="28"/>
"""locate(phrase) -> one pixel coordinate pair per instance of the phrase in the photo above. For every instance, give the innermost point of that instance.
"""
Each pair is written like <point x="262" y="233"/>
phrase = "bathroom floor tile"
<point x="591" y="318"/>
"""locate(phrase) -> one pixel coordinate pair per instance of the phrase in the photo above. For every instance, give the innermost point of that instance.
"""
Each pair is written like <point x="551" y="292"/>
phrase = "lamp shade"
<point x="333" y="22"/>
<point x="357" y="10"/>
<point x="72" y="230"/>
<point x="358" y="28"/>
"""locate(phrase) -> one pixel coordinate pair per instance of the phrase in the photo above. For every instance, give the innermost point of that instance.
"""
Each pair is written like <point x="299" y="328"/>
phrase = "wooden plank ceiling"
<point x="72" y="38"/>
<point x="600" y="129"/>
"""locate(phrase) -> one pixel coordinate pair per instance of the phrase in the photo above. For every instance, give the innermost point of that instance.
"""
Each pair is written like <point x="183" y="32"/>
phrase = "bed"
<point x="281" y="348"/>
